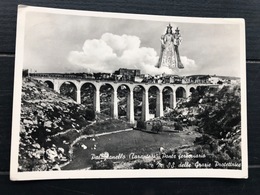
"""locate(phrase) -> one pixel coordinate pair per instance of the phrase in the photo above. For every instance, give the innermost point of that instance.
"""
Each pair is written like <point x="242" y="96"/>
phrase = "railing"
<point x="58" y="76"/>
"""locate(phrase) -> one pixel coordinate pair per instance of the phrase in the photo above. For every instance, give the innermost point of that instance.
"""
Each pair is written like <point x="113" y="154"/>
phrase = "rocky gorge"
<point x="49" y="124"/>
<point x="52" y="124"/>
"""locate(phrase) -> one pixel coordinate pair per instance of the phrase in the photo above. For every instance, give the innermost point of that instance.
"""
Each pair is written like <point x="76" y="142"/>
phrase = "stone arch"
<point x="153" y="98"/>
<point x="69" y="89"/>
<point x="140" y="102"/>
<point x="49" y="83"/>
<point x="168" y="97"/>
<point x="123" y="96"/>
<point x="107" y="99"/>
<point x="88" y="95"/>
<point x="192" y="89"/>
<point x="180" y="93"/>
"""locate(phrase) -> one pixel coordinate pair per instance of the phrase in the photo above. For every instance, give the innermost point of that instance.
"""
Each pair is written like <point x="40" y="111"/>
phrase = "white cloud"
<point x="190" y="66"/>
<point x="121" y="43"/>
<point x="111" y="52"/>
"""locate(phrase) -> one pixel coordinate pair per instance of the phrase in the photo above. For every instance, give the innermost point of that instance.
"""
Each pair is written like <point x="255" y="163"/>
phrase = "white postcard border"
<point x="166" y="173"/>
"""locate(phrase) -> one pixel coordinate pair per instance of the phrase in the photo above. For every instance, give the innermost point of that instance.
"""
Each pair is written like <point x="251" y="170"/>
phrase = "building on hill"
<point x="197" y="79"/>
<point x="88" y="76"/>
<point x="125" y="71"/>
<point x="124" y="74"/>
<point x="171" y="79"/>
<point x="102" y="76"/>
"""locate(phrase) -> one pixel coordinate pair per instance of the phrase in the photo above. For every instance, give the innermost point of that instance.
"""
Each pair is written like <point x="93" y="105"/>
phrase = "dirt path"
<point x="112" y="132"/>
<point x="68" y="130"/>
<point x="87" y="136"/>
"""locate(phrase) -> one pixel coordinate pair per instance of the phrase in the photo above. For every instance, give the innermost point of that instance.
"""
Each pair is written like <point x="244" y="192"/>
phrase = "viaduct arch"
<point x="175" y="91"/>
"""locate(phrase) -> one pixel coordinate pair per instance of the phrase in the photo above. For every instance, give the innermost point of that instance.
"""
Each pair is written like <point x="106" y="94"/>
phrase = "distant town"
<point x="135" y="75"/>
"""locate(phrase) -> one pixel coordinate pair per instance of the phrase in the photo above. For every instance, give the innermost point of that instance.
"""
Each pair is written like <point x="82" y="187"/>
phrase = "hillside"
<point x="50" y="123"/>
<point x="216" y="114"/>
<point x="56" y="132"/>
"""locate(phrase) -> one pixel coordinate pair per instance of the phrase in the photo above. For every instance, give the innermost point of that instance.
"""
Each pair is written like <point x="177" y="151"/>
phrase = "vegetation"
<point x="207" y="124"/>
<point x="50" y="122"/>
<point x="219" y="120"/>
<point x="157" y="126"/>
<point x="141" y="124"/>
<point x="102" y="164"/>
<point x="216" y="115"/>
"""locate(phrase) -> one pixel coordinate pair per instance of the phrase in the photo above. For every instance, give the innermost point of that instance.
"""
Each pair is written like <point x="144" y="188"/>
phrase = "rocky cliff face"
<point x="45" y="113"/>
<point x="49" y="124"/>
<point x="216" y="114"/>
<point x="220" y="122"/>
<point x="217" y="111"/>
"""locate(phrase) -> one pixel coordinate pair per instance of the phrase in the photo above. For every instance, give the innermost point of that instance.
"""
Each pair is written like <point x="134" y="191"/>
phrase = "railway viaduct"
<point x="184" y="89"/>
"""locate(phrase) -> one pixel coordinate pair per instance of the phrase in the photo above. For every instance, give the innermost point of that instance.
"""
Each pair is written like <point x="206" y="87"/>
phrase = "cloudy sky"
<point x="66" y="43"/>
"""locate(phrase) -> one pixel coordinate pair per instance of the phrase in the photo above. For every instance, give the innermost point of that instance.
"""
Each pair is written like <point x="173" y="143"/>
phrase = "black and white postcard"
<point x="112" y="95"/>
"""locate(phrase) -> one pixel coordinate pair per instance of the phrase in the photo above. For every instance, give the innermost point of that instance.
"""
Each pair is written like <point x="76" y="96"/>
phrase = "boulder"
<point x="161" y="149"/>
<point x="185" y="111"/>
<point x="84" y="146"/>
<point x="26" y="121"/>
<point x="43" y="104"/>
<point x="40" y="167"/>
<point x="36" y="145"/>
<point x="48" y="130"/>
<point x="51" y="154"/>
<point x="48" y="139"/>
<point x="50" y="108"/>
<point x="56" y="168"/>
<point x="61" y="150"/>
<point x="47" y="124"/>
<point x="39" y="153"/>
<point x="160" y="165"/>
<point x="35" y="122"/>
<point x="65" y="142"/>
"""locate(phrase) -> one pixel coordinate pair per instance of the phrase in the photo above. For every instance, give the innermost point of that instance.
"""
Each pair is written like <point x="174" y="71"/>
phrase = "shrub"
<point x="103" y="164"/>
<point x="145" y="165"/>
<point x="178" y="126"/>
<point x="90" y="115"/>
<point x="141" y="125"/>
<point x="157" y="126"/>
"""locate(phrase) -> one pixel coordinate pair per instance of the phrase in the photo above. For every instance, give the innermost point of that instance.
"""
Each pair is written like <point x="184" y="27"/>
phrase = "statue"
<point x="169" y="56"/>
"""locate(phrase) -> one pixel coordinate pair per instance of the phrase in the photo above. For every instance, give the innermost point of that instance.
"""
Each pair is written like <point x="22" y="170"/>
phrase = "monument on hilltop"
<point x="169" y="55"/>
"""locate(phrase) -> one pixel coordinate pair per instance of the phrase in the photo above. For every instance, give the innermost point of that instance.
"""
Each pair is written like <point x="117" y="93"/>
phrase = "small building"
<point x="214" y="80"/>
<point x="102" y="76"/>
<point x="138" y="79"/>
<point x="125" y="71"/>
<point x="127" y="74"/>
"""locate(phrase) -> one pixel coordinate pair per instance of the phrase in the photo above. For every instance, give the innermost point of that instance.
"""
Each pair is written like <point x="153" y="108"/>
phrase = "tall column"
<point x="185" y="93"/>
<point x="78" y="97"/>
<point x="174" y="99"/>
<point x="188" y="93"/>
<point x="130" y="107"/>
<point x="145" y="106"/>
<point x="159" y="103"/>
<point x="171" y="100"/>
<point x="97" y="100"/>
<point x="114" y="105"/>
<point x="56" y="86"/>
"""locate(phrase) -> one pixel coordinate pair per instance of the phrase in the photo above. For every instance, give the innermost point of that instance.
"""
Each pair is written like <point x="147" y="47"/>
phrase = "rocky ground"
<point x="50" y="123"/>
<point x="204" y="131"/>
<point x="216" y="114"/>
